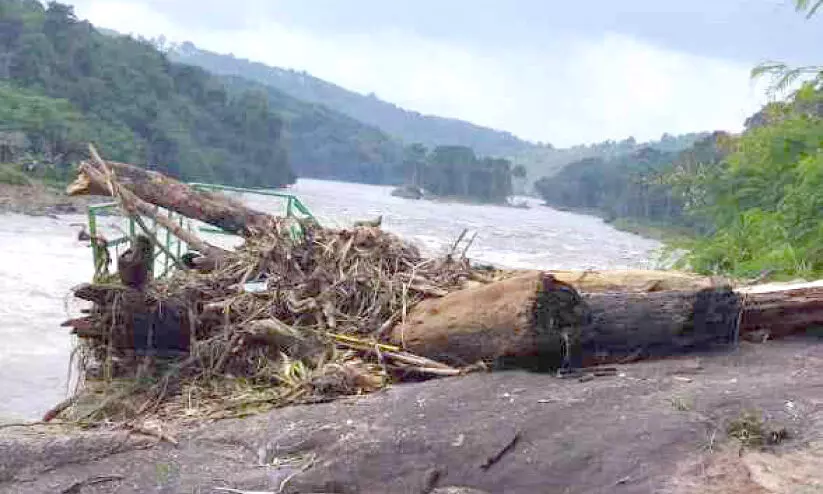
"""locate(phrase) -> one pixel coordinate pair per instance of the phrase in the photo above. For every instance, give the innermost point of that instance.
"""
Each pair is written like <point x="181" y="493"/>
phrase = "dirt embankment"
<point x="654" y="427"/>
<point x="39" y="200"/>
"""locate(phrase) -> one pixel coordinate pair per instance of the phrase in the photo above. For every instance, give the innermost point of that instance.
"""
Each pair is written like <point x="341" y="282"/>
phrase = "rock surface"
<point x="654" y="427"/>
<point x="408" y="192"/>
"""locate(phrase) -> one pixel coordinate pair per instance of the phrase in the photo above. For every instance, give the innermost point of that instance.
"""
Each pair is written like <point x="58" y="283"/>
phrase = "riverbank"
<point x="668" y="426"/>
<point x="655" y="230"/>
<point x="664" y="233"/>
<point x="37" y="199"/>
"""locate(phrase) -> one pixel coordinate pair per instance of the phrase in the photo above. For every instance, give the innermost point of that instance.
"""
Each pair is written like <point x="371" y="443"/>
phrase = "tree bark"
<point x="633" y="325"/>
<point x="783" y="310"/>
<point x="155" y="188"/>
<point x="517" y="322"/>
<point x="524" y="322"/>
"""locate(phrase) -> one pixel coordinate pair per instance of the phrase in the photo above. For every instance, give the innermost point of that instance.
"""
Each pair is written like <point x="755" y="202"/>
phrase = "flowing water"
<point x="41" y="259"/>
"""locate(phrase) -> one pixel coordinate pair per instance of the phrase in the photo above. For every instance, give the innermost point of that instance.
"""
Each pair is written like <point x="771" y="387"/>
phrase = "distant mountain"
<point x="539" y="160"/>
<point x="409" y="126"/>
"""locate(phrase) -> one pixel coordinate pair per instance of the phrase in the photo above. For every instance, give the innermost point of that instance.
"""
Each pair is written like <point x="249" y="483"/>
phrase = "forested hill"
<point x="637" y="185"/>
<point x="64" y="84"/>
<point x="326" y="144"/>
<point x="409" y="126"/>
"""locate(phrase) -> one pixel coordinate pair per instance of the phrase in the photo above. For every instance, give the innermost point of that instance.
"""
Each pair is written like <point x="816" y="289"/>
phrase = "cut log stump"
<point x="525" y="321"/>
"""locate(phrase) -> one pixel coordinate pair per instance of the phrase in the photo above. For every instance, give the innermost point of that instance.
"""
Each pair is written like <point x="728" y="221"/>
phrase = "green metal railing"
<point x="164" y="265"/>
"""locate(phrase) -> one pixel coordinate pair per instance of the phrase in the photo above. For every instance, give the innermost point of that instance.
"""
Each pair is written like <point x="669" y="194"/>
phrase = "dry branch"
<point x="155" y="188"/>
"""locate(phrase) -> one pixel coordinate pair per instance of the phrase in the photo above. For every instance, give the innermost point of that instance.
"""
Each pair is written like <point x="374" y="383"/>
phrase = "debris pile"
<point x="290" y="319"/>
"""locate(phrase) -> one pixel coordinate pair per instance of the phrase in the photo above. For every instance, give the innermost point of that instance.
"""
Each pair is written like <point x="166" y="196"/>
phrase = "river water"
<point x="41" y="259"/>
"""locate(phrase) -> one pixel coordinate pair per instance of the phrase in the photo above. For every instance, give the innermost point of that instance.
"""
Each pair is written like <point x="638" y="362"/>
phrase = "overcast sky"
<point x="564" y="72"/>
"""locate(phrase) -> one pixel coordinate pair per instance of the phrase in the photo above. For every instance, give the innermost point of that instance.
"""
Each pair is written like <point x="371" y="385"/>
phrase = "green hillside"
<point x="409" y="126"/>
<point x="65" y="84"/>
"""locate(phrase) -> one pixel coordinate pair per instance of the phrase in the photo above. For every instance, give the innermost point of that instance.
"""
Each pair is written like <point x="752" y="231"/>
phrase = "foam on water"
<point x="40" y="260"/>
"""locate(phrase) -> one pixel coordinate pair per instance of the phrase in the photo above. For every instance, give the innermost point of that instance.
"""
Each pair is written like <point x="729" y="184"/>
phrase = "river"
<point x="42" y="259"/>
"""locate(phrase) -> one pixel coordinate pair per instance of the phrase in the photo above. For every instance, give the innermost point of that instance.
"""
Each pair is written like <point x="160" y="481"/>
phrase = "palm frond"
<point x="808" y="6"/>
<point x="783" y="76"/>
<point x="769" y="67"/>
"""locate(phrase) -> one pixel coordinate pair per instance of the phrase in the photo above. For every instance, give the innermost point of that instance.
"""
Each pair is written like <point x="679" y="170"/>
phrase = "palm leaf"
<point x="783" y="76"/>
<point x="808" y="6"/>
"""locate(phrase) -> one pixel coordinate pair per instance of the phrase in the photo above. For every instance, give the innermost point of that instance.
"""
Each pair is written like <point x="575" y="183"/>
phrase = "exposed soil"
<point x="654" y="427"/>
<point x="39" y="200"/>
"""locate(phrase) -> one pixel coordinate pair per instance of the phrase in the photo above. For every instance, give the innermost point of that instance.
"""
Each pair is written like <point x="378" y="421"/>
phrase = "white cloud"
<point x="581" y="90"/>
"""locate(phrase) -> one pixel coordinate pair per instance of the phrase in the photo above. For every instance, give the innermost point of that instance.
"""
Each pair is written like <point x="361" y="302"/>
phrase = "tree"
<point x="414" y="164"/>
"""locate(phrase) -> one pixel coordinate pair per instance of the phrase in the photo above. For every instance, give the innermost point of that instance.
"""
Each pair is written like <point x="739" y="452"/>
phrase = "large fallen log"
<point x="159" y="190"/>
<point x="510" y="321"/>
<point x="779" y="310"/>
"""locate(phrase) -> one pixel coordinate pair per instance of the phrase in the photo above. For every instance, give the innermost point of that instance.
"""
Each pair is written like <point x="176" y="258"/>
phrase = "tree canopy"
<point x="455" y="171"/>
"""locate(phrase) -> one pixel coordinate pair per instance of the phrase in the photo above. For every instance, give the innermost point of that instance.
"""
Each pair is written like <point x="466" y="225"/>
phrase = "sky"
<point x="562" y="72"/>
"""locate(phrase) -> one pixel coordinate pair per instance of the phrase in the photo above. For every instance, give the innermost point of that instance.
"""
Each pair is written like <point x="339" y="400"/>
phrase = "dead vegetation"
<point x="753" y="432"/>
<point x="283" y="319"/>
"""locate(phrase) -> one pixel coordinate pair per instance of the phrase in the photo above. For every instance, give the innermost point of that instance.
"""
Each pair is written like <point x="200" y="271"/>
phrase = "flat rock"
<point x="638" y="431"/>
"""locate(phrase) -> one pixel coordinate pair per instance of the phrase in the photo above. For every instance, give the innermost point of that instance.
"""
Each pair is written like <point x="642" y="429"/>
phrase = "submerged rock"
<point x="408" y="192"/>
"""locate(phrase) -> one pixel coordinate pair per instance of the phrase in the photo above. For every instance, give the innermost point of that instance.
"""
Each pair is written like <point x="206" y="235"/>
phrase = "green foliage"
<point x="765" y="200"/>
<point x="130" y="100"/>
<point x="623" y="187"/>
<point x="327" y="144"/>
<point x="12" y="175"/>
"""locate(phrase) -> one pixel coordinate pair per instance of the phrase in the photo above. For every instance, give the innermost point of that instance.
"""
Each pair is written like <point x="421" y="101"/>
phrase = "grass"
<point x="12" y="175"/>
<point x="752" y="431"/>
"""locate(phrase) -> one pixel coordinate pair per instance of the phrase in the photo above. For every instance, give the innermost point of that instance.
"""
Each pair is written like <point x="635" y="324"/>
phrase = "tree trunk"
<point x="633" y="325"/>
<point x="782" y="310"/>
<point x="525" y="321"/>
<point x="157" y="189"/>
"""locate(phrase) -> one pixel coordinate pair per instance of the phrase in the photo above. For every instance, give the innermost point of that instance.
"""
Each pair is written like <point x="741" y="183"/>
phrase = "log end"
<point x="80" y="186"/>
<point x="83" y="185"/>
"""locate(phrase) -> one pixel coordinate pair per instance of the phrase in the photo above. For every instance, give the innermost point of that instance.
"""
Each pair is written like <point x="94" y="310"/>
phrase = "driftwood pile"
<point x="297" y="319"/>
<point x="300" y="318"/>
